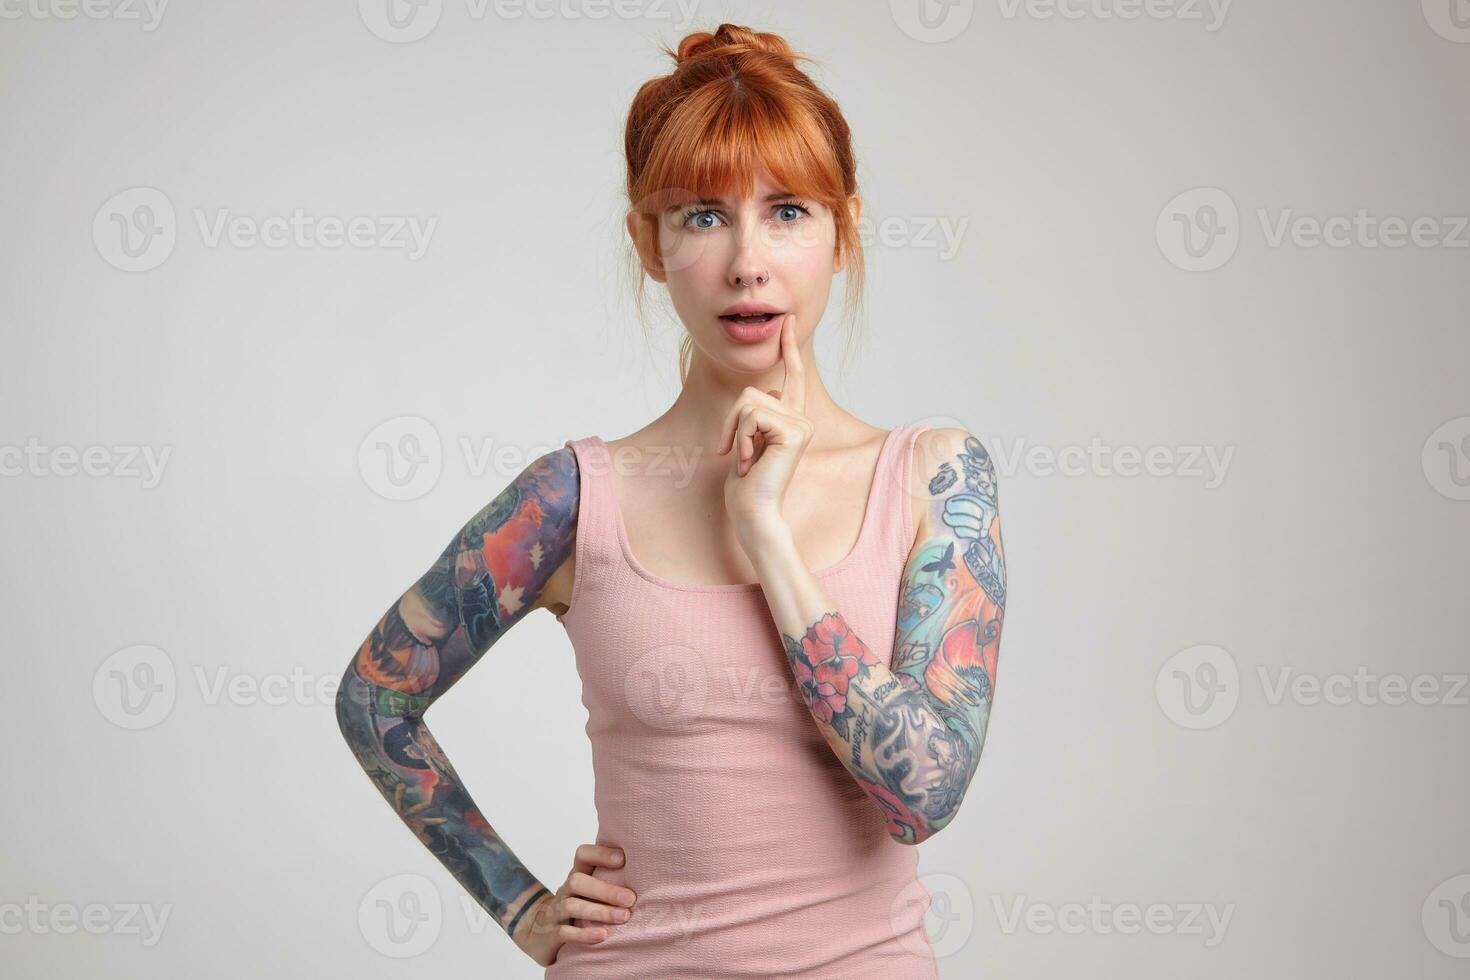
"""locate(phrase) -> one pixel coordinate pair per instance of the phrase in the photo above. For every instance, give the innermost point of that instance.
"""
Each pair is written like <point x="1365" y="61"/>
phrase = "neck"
<point x="710" y="392"/>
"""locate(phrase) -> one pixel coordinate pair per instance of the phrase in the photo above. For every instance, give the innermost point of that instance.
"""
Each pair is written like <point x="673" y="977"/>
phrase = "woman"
<point x="765" y="738"/>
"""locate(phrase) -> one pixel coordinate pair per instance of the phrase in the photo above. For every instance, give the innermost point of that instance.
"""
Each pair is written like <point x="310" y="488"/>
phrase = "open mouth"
<point x="750" y="318"/>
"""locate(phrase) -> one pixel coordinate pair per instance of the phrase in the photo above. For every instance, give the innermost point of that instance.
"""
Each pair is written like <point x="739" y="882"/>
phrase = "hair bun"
<point x="730" y="39"/>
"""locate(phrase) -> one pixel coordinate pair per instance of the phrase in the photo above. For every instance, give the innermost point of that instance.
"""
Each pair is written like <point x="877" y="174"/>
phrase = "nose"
<point x="749" y="265"/>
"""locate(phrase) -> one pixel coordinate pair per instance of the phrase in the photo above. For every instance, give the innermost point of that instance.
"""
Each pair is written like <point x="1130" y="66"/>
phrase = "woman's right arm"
<point x="487" y="578"/>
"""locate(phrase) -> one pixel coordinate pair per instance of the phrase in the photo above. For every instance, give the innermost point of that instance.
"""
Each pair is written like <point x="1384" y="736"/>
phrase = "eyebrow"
<point x="719" y="202"/>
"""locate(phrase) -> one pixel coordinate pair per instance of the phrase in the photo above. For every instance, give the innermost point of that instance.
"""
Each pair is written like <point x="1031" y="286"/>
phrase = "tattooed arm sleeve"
<point x="485" y="581"/>
<point x="911" y="735"/>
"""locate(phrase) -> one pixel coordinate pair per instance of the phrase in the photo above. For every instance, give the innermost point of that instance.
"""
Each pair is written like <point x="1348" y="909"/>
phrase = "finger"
<point x="755" y="429"/>
<point x="582" y="862"/>
<point x="748" y="398"/>
<point x="793" y="391"/>
<point x="731" y="425"/>
<point x="581" y="908"/>
<point x="745" y="438"/>
<point x="606" y="855"/>
<point x="601" y="891"/>
<point x="578" y="934"/>
<point x="727" y="427"/>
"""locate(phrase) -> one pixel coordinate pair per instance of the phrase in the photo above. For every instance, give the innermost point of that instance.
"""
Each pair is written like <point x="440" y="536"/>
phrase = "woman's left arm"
<point x="910" y="734"/>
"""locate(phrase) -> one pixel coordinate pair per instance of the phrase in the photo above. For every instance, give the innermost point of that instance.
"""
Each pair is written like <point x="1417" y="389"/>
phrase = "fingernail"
<point x="621" y="915"/>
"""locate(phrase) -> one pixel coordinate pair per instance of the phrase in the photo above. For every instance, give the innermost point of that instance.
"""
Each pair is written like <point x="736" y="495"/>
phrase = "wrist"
<point x="523" y="924"/>
<point x="765" y="538"/>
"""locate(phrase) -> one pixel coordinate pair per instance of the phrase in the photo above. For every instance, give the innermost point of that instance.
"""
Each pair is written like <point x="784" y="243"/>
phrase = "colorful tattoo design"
<point x="484" y="582"/>
<point x="911" y="734"/>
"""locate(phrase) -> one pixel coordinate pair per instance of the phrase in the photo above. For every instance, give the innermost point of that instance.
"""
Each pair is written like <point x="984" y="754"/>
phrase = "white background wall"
<point x="1329" y="541"/>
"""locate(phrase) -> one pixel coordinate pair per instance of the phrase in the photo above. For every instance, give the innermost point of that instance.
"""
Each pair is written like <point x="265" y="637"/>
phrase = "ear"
<point x="643" y="229"/>
<point x="855" y="210"/>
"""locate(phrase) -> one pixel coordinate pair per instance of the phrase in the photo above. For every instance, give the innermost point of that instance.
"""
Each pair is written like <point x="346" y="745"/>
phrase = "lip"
<point x="751" y="333"/>
<point x="749" y="307"/>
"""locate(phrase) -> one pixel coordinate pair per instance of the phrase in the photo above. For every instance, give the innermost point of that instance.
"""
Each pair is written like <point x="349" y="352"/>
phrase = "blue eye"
<point x="695" y="213"/>
<point x="692" y="216"/>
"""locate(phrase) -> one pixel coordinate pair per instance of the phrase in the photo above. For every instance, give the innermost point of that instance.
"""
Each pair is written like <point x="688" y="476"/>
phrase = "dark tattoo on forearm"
<point x="483" y="582"/>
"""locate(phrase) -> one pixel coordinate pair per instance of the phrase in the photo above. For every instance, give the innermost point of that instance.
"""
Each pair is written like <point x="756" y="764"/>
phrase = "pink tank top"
<point x="752" y="850"/>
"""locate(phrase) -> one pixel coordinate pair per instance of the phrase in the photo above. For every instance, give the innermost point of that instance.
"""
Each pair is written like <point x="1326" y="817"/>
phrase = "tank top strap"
<point x="893" y="496"/>
<point x="597" y="534"/>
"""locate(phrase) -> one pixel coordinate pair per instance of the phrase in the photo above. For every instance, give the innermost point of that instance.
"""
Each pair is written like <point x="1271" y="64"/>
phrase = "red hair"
<point x="734" y="104"/>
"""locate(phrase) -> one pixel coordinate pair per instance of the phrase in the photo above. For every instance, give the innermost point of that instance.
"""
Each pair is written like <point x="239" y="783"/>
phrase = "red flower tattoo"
<point x="834" y="654"/>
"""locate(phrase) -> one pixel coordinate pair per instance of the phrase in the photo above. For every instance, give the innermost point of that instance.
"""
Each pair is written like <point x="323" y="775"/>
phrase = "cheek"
<point x="812" y="260"/>
<point x="695" y="271"/>
<point x="805" y="265"/>
<point x="804" y="247"/>
<point x="691" y="257"/>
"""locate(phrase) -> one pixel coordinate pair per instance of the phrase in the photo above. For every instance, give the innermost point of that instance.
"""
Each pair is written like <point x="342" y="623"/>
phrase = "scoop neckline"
<point x="864" y="530"/>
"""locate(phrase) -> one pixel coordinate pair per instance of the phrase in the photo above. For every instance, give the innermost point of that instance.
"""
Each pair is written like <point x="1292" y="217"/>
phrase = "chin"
<point x="743" y="358"/>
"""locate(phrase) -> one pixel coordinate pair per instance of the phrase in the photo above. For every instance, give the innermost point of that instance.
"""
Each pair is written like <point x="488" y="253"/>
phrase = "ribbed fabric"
<point x="752" y="850"/>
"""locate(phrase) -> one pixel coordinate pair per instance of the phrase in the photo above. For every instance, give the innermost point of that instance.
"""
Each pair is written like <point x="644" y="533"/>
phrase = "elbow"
<point x="915" y="833"/>
<point x="351" y="704"/>
<point x="911" y="834"/>
<point x="917" y="827"/>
